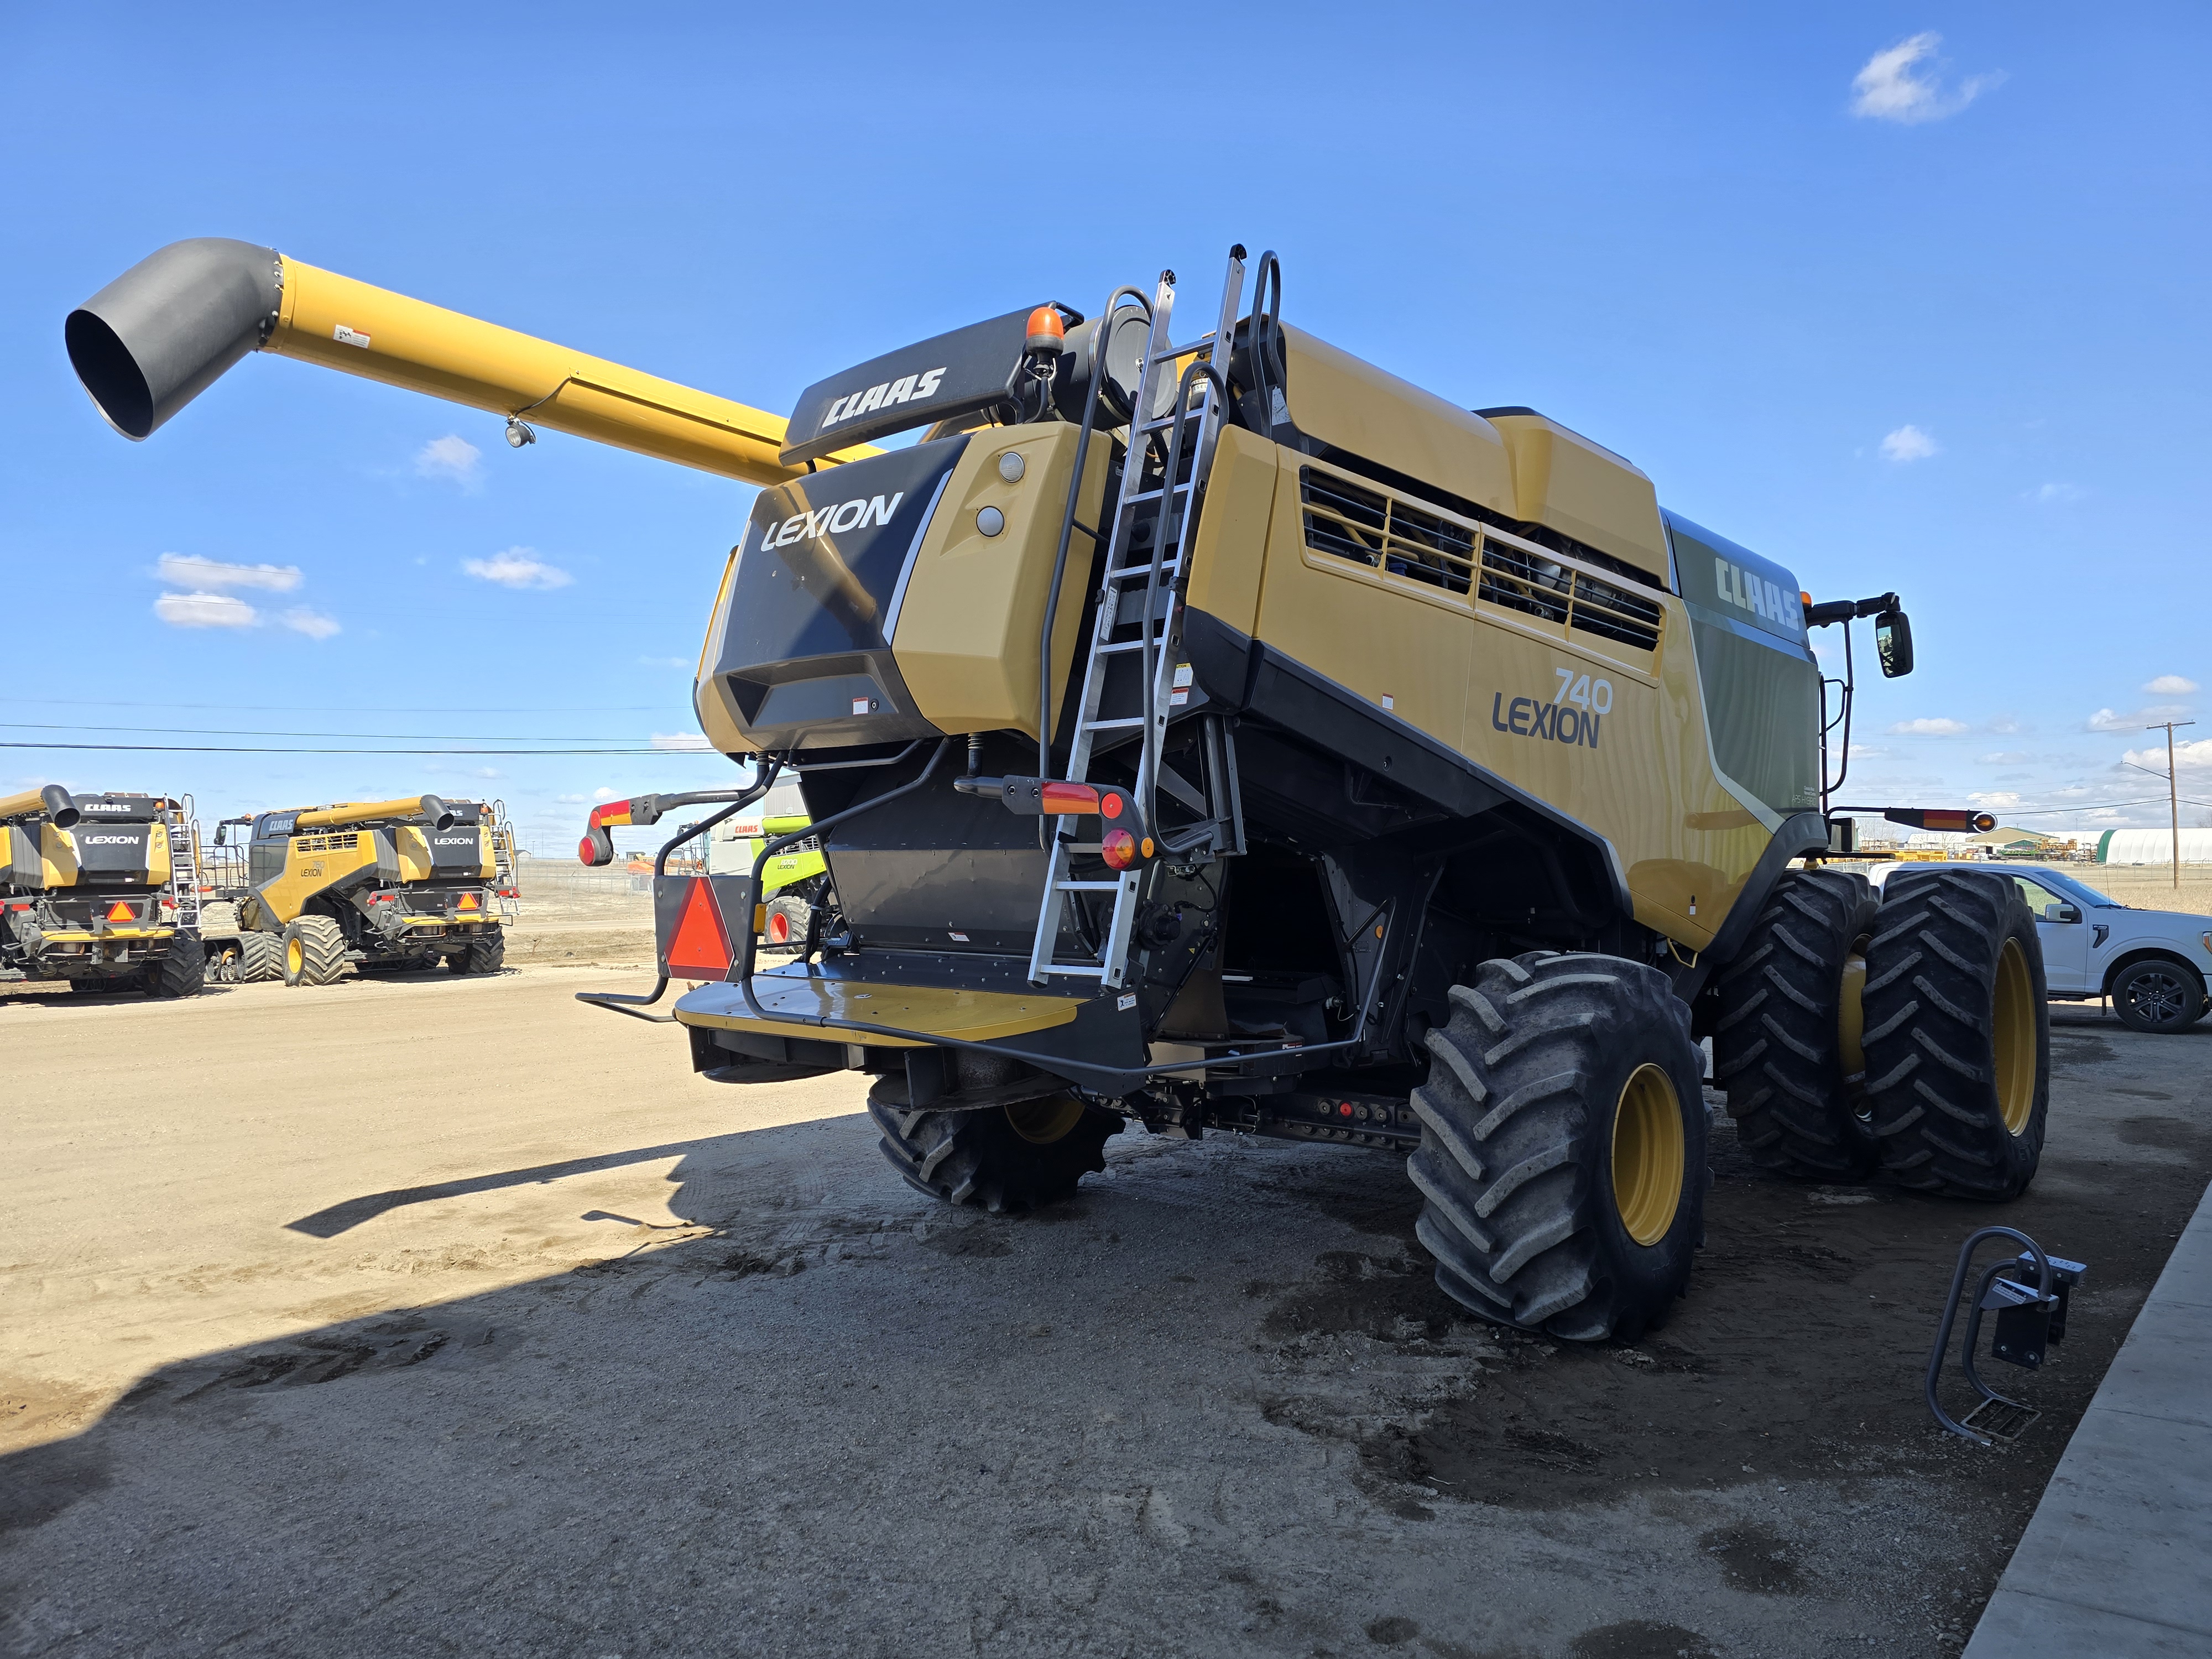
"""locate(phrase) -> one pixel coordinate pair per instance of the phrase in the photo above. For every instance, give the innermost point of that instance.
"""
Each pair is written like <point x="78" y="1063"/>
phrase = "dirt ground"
<point x="429" y="1315"/>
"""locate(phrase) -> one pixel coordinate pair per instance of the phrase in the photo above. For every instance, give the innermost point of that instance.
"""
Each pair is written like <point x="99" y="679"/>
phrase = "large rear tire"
<point x="999" y="1159"/>
<point x="1957" y="1034"/>
<point x="1785" y="1004"/>
<point x="787" y="919"/>
<point x="482" y="955"/>
<point x="314" y="951"/>
<point x="1563" y="1146"/>
<point x="182" y="972"/>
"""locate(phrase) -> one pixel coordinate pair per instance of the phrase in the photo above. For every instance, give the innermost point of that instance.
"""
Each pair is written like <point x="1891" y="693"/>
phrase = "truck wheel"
<point x="1563" y="1146"/>
<point x="1001" y="1159"/>
<point x="1957" y="1034"/>
<point x="314" y="951"/>
<point x="2158" y="996"/>
<point x="181" y="972"/>
<point x="1787" y="1047"/>
<point x="787" y="920"/>
<point x="482" y="955"/>
<point x="260" y="957"/>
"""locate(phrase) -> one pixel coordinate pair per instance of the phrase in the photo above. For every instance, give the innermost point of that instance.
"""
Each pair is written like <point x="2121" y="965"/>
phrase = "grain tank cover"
<point x="1564" y="481"/>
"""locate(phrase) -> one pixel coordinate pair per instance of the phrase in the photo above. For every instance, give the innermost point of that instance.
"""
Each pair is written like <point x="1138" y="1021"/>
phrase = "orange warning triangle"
<point x="700" y="950"/>
<point x="120" y="911"/>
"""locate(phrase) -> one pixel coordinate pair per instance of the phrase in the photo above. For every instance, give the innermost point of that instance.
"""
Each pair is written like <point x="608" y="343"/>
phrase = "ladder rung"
<point x="1088" y="886"/>
<point x="1113" y="725"/>
<point x="1120" y="646"/>
<point x="1153" y="494"/>
<point x="1061" y="968"/>
<point x="1168" y="568"/>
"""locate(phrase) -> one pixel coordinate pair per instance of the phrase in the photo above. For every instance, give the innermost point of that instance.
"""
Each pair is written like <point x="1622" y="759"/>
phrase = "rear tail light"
<point x="1119" y="849"/>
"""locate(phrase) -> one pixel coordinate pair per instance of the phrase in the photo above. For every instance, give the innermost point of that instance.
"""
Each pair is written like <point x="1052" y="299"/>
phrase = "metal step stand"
<point x="184" y="863"/>
<point x="1140" y="596"/>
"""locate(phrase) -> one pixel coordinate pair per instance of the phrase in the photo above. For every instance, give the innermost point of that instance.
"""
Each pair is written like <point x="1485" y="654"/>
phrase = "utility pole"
<point x="2172" y="792"/>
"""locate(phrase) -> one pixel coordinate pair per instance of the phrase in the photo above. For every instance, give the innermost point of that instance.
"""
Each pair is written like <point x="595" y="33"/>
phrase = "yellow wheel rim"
<point x="1647" y="1154"/>
<point x="295" y="957"/>
<point x="2012" y="1037"/>
<point x="1041" y="1123"/>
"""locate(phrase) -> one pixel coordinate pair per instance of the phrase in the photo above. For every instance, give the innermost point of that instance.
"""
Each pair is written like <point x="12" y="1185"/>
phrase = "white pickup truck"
<point x="2152" y="964"/>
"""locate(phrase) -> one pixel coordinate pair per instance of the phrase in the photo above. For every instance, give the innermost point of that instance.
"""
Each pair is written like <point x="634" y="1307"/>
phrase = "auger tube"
<point x="53" y="800"/>
<point x="159" y="335"/>
<point x="429" y="807"/>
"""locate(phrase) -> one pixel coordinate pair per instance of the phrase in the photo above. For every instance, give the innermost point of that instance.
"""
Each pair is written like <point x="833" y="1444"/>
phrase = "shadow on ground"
<point x="1214" y="1405"/>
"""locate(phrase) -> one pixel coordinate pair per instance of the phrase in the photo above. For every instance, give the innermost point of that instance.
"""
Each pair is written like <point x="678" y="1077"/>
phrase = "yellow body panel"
<point x="413" y="847"/>
<point x="79" y="936"/>
<point x="312" y="863"/>
<point x="57" y="863"/>
<point x="966" y="643"/>
<point x="929" y="1011"/>
<point x="1230" y="550"/>
<point x="352" y="326"/>
<point x="30" y="800"/>
<point x="1478" y="676"/>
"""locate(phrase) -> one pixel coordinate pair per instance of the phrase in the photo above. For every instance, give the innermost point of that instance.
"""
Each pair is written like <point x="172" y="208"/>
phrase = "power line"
<point x="315" y="708"/>
<point x="396" y="737"/>
<point x="211" y="749"/>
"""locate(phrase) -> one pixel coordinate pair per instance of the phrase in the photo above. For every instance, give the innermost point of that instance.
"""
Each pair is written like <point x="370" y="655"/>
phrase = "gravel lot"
<point x="431" y="1315"/>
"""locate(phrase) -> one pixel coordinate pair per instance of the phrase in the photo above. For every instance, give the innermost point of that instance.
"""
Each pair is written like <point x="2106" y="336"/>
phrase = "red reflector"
<point x="19" y="907"/>
<point x="1072" y="799"/>
<point x="779" y="929"/>
<point x="1118" y="849"/>
<point x="1109" y="806"/>
<point x="700" y="950"/>
<point x="1344" y="1109"/>
<point x="120" y="911"/>
<point x="584" y="850"/>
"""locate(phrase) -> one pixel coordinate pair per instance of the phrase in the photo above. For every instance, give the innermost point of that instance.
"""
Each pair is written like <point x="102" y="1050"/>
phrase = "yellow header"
<point x="352" y="326"/>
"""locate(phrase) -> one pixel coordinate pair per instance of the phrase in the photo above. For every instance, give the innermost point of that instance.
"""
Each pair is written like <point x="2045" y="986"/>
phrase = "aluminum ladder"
<point x="1125" y="622"/>
<point x="502" y="858"/>
<point x="184" y="832"/>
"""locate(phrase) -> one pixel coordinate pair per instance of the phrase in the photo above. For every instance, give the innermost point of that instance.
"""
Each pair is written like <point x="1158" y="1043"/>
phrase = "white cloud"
<point x="205" y="610"/>
<point x="2170" y="685"/>
<point x="603" y="792"/>
<point x="665" y="662"/>
<point x="191" y="570"/>
<point x="2107" y="719"/>
<point x="681" y="740"/>
<point x="571" y="800"/>
<point x="1887" y="89"/>
<point x="1859" y="751"/>
<point x="2053" y="493"/>
<point x="314" y="623"/>
<point x="1928" y="726"/>
<point x="519" y="566"/>
<point x="2005" y="725"/>
<point x="1908" y="443"/>
<point x="2006" y="757"/>
<point x="450" y="457"/>
<point x="1999" y="797"/>
<point x="2188" y="756"/>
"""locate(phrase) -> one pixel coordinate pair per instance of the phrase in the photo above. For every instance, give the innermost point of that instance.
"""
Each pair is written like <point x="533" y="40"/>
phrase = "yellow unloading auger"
<point x="159" y="335"/>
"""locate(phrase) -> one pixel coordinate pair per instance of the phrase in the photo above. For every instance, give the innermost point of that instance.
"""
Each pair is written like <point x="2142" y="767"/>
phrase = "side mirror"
<point x="2061" y="913"/>
<point x="223" y="835"/>
<point x="1892" y="642"/>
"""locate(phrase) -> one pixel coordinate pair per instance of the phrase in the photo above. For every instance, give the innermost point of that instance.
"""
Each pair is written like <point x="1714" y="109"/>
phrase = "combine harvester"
<point x="101" y="891"/>
<point x="387" y="886"/>
<point x="1223" y="733"/>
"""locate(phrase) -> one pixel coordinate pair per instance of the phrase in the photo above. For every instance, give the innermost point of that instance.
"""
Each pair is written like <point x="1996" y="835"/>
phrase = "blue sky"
<point x="1905" y="296"/>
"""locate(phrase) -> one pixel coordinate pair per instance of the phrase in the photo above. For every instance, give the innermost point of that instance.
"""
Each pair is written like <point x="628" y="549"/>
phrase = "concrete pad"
<point x="2114" y="1560"/>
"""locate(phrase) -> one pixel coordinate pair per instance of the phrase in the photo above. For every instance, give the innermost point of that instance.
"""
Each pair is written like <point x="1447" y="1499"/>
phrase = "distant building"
<point x="2153" y="846"/>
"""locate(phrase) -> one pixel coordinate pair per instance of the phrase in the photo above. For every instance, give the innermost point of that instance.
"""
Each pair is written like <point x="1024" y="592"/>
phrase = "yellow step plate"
<point x="929" y="1012"/>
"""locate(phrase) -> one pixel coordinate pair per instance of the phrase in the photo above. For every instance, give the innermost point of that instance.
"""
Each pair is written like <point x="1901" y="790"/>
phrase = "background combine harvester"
<point x="386" y="886"/>
<point x="1225" y="733"/>
<point x="101" y="891"/>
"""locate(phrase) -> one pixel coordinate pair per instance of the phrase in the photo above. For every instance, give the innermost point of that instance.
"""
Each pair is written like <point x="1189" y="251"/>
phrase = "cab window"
<point x="2040" y="899"/>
